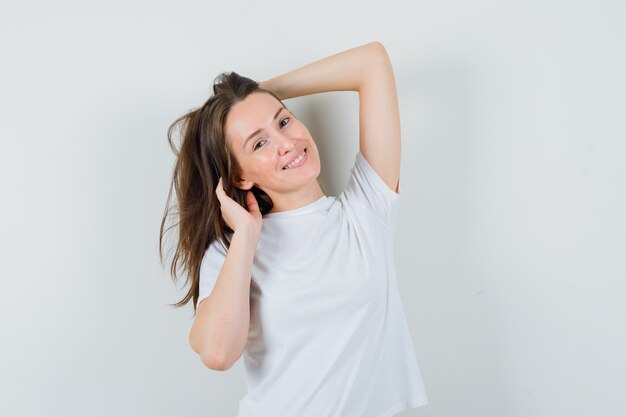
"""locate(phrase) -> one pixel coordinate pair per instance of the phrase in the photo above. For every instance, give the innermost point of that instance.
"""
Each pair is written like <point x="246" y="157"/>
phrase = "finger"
<point x="253" y="205"/>
<point x="219" y="189"/>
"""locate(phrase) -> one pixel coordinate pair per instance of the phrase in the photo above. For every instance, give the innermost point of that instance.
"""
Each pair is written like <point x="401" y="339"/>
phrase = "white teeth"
<point x="295" y="161"/>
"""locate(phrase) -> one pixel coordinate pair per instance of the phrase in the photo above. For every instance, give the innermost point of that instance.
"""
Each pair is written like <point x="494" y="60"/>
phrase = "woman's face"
<point x="264" y="137"/>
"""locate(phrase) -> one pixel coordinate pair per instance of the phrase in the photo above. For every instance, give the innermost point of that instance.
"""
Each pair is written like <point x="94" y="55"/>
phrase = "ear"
<point x="242" y="183"/>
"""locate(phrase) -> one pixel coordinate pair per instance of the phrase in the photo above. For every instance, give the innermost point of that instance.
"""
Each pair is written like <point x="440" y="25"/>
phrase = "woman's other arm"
<point x="220" y="329"/>
<point x="367" y="70"/>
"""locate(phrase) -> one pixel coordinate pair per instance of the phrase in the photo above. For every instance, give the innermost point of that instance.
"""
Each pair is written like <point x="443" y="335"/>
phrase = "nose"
<point x="285" y="144"/>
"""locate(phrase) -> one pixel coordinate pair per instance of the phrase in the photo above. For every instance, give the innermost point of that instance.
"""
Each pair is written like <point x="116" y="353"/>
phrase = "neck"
<point x="296" y="199"/>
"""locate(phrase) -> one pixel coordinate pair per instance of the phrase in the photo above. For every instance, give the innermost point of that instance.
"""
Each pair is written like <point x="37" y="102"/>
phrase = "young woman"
<point x="301" y="283"/>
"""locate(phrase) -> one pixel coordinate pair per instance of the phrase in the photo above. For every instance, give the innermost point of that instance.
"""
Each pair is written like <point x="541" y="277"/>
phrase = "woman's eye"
<point x="286" y="118"/>
<point x="255" y="147"/>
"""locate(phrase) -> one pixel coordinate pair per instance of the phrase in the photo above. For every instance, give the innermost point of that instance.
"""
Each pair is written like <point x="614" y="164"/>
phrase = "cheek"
<point x="302" y="128"/>
<point x="262" y="165"/>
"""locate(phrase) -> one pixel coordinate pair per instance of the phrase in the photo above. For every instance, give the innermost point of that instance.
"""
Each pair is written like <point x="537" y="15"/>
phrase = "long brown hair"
<point x="204" y="156"/>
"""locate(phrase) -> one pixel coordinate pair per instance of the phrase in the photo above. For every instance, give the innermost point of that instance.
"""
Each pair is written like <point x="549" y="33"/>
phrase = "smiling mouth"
<point x="302" y="156"/>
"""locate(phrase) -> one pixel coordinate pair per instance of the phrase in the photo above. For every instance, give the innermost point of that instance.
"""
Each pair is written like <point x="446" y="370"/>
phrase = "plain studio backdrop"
<point x="512" y="235"/>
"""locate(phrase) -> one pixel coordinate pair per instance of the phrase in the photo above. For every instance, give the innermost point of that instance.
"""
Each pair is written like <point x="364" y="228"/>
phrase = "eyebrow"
<point x="256" y="132"/>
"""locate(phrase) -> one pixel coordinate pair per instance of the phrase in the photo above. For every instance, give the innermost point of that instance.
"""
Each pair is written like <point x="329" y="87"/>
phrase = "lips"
<point x="295" y="157"/>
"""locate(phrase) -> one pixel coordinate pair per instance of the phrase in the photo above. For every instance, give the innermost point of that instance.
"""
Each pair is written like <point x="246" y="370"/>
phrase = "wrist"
<point x="268" y="85"/>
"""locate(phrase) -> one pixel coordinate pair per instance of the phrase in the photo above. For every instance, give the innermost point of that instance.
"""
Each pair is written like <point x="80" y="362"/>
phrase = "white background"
<point x="510" y="250"/>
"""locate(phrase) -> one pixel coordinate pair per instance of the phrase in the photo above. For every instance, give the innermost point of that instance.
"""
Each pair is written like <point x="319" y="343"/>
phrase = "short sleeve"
<point x="210" y="268"/>
<point x="367" y="189"/>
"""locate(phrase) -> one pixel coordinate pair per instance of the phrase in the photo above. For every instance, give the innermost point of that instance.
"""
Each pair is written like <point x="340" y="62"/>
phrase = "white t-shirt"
<point x="328" y="335"/>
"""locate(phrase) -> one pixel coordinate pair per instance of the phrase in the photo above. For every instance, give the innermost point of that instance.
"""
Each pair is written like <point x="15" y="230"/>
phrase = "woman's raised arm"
<point x="367" y="70"/>
<point x="344" y="71"/>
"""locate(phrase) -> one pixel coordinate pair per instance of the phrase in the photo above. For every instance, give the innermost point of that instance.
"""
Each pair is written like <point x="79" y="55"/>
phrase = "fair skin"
<point x="264" y="145"/>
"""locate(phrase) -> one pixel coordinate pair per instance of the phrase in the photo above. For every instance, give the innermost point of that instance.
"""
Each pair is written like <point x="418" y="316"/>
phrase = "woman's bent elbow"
<point x="216" y="363"/>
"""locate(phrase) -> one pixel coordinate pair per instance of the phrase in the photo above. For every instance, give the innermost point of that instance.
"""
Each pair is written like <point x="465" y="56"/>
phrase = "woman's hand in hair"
<point x="237" y="217"/>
